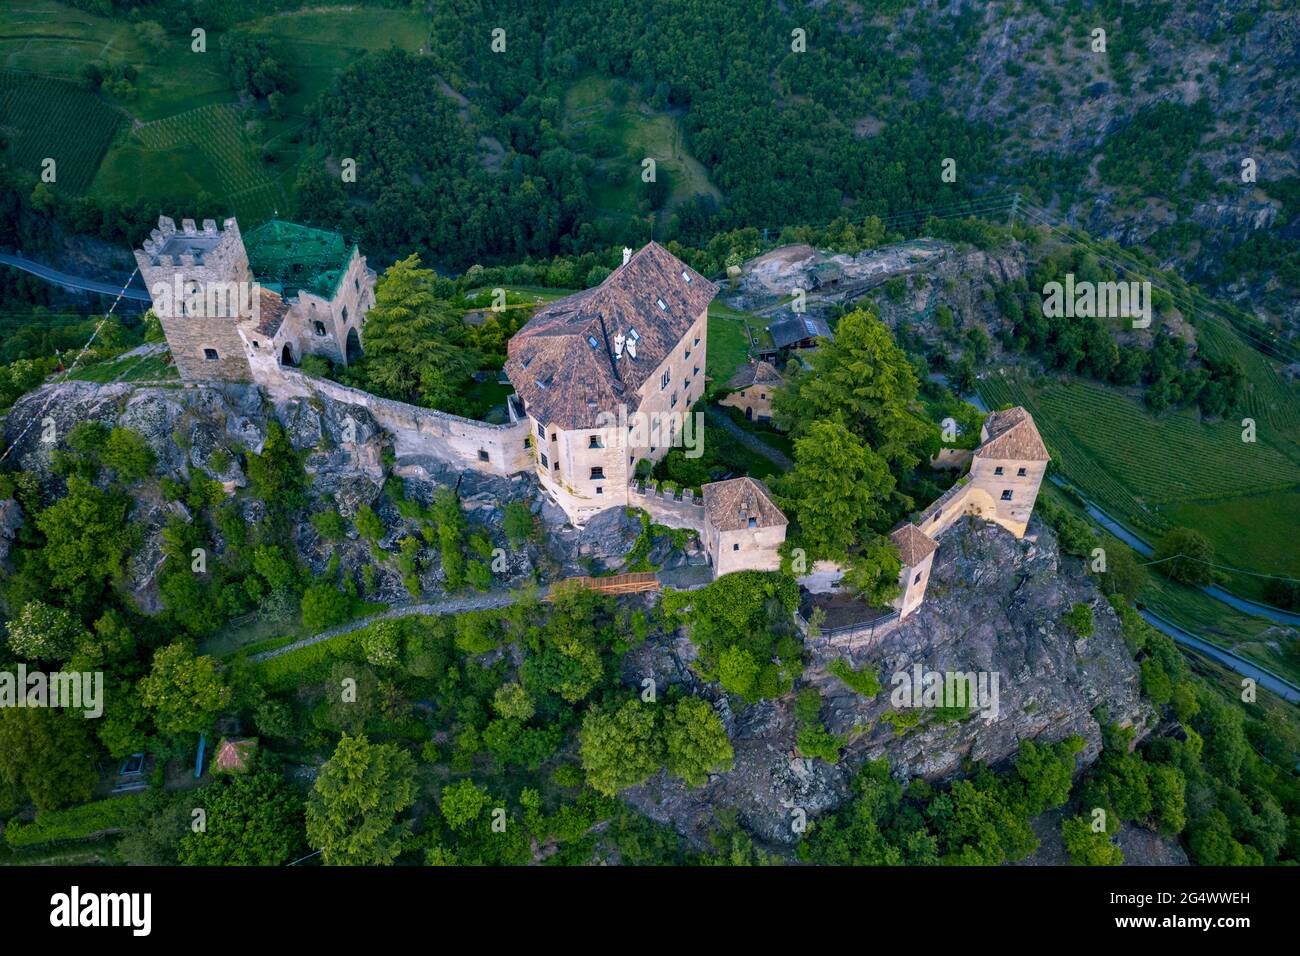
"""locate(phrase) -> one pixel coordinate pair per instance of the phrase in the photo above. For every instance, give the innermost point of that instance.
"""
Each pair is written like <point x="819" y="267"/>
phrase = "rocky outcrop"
<point x="994" y="605"/>
<point x="11" y="520"/>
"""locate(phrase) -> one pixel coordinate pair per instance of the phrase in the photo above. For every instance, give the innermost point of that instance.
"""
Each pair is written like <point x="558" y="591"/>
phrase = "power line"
<point x="77" y="361"/>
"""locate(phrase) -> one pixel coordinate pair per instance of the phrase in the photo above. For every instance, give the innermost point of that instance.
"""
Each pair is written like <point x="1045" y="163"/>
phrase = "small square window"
<point x="545" y="463"/>
<point x="1020" y="472"/>
<point x="762" y="394"/>
<point x="1006" y="495"/>
<point x="527" y="444"/>
<point x="594" y="442"/>
<point x="735" y="547"/>
<point x="600" y="490"/>
<point x="597" y="473"/>
<point x="210" y="355"/>
<point x="482" y="455"/>
<point x="554" y="436"/>
<point x="997" y="470"/>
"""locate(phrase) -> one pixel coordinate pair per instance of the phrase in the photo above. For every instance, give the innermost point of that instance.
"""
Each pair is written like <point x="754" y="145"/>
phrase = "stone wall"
<point x="666" y="508"/>
<point x="419" y="431"/>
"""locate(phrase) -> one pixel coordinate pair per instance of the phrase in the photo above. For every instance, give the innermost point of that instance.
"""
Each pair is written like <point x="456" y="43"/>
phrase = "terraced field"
<point x="206" y="147"/>
<point x="44" y="118"/>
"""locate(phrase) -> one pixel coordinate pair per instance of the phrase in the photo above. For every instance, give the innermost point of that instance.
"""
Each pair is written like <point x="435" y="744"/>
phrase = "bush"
<point x="1079" y="620"/>
<point x="864" y="682"/>
<point x="323" y="606"/>
<point x="75" y="823"/>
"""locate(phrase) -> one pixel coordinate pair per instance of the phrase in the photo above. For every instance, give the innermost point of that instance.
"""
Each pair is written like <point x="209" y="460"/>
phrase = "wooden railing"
<point x="615" y="584"/>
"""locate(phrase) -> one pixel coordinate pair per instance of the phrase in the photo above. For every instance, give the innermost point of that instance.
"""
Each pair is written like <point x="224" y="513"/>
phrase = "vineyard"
<point x="217" y="131"/>
<point x="45" y="118"/>
<point x="1131" y="463"/>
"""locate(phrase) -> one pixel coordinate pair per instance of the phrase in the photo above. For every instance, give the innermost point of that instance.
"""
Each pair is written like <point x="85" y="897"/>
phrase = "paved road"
<point x="1265" y="678"/>
<point x="68" y="281"/>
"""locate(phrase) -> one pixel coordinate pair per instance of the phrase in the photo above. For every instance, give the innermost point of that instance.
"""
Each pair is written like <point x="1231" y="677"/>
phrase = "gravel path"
<point x="455" y="605"/>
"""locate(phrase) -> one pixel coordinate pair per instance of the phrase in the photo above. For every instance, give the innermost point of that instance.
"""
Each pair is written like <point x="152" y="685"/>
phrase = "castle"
<point x="603" y="379"/>
<point x="233" y="309"/>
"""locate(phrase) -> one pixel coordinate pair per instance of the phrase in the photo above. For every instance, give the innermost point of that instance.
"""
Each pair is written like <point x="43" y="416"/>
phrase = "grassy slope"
<point x="1155" y="472"/>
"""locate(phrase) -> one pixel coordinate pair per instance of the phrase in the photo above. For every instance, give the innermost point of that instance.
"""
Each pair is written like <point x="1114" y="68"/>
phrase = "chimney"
<point x="627" y="255"/>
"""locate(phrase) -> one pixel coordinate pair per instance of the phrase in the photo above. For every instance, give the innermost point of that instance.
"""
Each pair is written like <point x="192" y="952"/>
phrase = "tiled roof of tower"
<point x="755" y="373"/>
<point x="295" y="257"/>
<point x="271" y="310"/>
<point x="728" y="505"/>
<point x="913" y="544"/>
<point x="563" y="362"/>
<point x="1012" y="435"/>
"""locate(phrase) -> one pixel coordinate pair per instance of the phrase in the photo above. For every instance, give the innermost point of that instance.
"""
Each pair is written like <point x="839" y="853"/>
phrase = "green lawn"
<point x="728" y="348"/>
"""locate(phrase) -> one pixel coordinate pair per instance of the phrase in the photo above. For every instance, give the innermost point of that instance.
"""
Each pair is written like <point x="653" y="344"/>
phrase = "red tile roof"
<point x="563" y="361"/>
<point x="1012" y="436"/>
<point x="728" y="505"/>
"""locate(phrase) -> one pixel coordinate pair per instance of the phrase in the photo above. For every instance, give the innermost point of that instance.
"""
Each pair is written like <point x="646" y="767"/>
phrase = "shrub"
<point x="1079" y="620"/>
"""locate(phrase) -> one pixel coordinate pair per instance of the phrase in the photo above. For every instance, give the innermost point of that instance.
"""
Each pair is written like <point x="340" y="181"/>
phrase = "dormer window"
<point x="686" y="277"/>
<point x="634" y="335"/>
<point x="753" y="522"/>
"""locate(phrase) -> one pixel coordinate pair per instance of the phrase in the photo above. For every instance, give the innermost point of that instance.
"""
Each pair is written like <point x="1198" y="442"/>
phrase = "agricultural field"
<point x="604" y="119"/>
<point x="1152" y="472"/>
<point x="179" y="136"/>
<point x="45" y="118"/>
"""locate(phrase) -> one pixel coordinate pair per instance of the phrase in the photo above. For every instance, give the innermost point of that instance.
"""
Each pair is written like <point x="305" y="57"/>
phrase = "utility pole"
<point x="1015" y="208"/>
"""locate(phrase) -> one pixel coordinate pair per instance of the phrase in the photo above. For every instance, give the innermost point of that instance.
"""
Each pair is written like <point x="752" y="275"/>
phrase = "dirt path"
<point x="451" y="605"/>
<point x="748" y="439"/>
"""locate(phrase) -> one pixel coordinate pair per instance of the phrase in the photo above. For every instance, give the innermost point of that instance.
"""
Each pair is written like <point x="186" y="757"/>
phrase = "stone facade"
<point x="223" y="323"/>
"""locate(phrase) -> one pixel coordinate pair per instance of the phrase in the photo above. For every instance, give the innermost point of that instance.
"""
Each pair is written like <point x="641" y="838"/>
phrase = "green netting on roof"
<point x="296" y="257"/>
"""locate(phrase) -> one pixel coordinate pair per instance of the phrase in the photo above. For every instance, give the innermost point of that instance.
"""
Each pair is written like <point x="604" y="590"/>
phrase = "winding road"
<point x="69" y="281"/>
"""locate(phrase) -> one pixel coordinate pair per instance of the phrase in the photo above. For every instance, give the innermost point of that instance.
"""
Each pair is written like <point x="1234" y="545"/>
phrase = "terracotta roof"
<point x="233" y="756"/>
<point x="565" y="363"/>
<point x="789" y="331"/>
<point x="1011" y="435"/>
<point x="728" y="505"/>
<point x="913" y="544"/>
<point x="755" y="373"/>
<point x="271" y="312"/>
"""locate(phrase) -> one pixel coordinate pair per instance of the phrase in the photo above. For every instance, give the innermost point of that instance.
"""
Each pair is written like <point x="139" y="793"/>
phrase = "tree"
<point x="836" y="488"/>
<point x="738" y="672"/>
<point x="323" y="606"/>
<point x="461" y="803"/>
<point x="518" y="523"/>
<point x="862" y="381"/>
<point x="873" y="572"/>
<point x="1186" y="555"/>
<point x="696" y="742"/>
<point x="352" y="814"/>
<point x="45" y="633"/>
<point x="252" y="819"/>
<point x="87" y="538"/>
<point x="127" y="453"/>
<point x="46" y="755"/>
<point x="1123" y="574"/>
<point x="620" y="748"/>
<point x="415" y="348"/>
<point x="184" y="692"/>
<point x="513" y="701"/>
<point x="1088" y="847"/>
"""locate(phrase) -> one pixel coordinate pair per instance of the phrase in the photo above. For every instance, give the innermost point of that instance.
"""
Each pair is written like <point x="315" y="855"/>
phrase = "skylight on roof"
<point x="660" y="303"/>
<point x="686" y="276"/>
<point x="634" y="335"/>
<point x="591" y="340"/>
<point x="812" y="329"/>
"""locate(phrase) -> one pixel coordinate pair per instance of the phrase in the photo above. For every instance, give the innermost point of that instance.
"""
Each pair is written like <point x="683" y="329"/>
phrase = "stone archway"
<point x="353" y="347"/>
<point x="749" y="413"/>
<point x="286" y="356"/>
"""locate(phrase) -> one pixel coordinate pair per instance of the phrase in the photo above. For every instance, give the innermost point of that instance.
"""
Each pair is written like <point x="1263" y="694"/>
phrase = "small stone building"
<point x="754" y="384"/>
<point x="743" y="527"/>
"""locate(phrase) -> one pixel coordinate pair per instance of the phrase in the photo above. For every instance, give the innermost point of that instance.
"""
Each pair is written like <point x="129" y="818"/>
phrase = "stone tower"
<point x="202" y="289"/>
